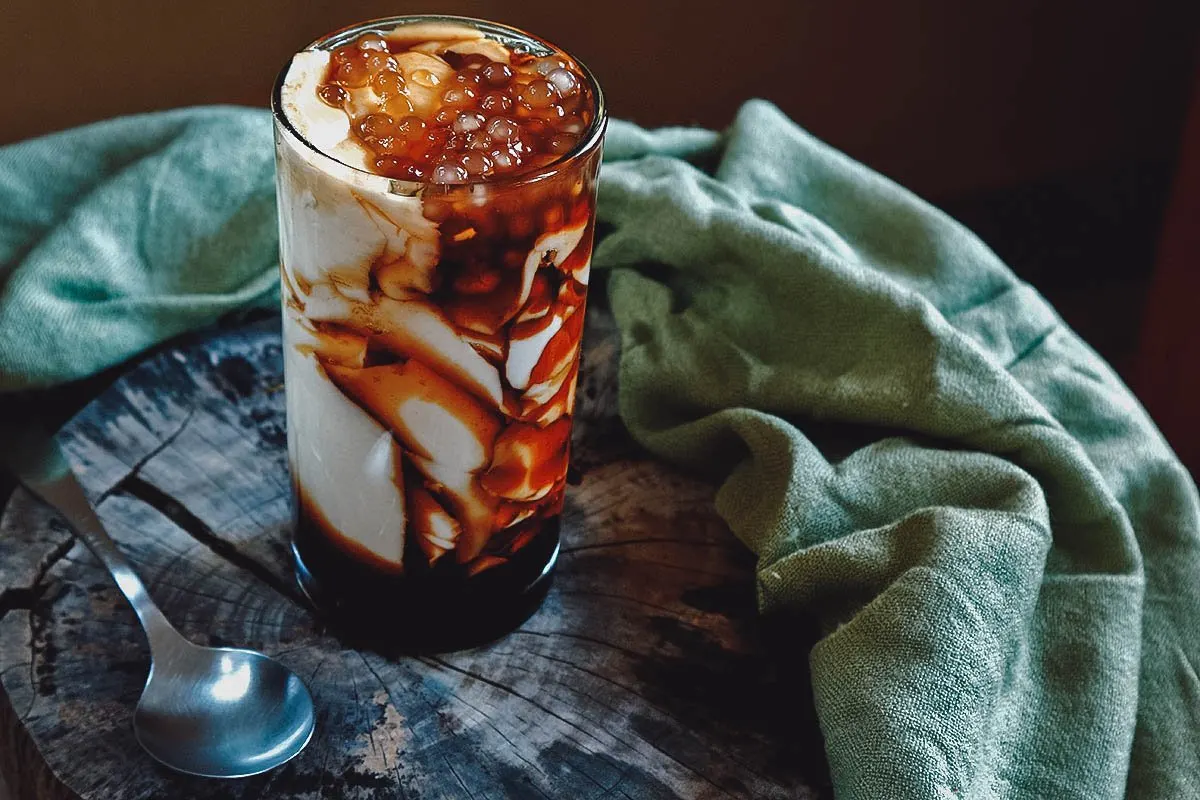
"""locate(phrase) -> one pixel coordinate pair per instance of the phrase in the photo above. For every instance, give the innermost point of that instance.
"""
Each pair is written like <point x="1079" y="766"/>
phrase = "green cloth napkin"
<point x="118" y="235"/>
<point x="1006" y="569"/>
<point x="1001" y="550"/>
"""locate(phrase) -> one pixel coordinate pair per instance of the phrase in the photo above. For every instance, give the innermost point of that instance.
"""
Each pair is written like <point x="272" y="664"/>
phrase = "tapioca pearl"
<point x="520" y="148"/>
<point x="538" y="101"/>
<point x="449" y="172"/>
<point x="535" y="127"/>
<point x="427" y="147"/>
<point x="468" y="121"/>
<point x="379" y="62"/>
<point x="502" y="129"/>
<point x="479" y="141"/>
<point x="333" y="95"/>
<point x="572" y="124"/>
<point x="564" y="81"/>
<point x="371" y="41"/>
<point x="377" y="125"/>
<point x="502" y="159"/>
<point x="497" y="74"/>
<point x="384" y="145"/>
<point x="399" y="168"/>
<point x="476" y="164"/>
<point x="410" y="127"/>
<point x="561" y="143"/>
<point x="548" y="64"/>
<point x="353" y="73"/>
<point x="458" y="96"/>
<point x="399" y="106"/>
<point x="495" y="103"/>
<point x="468" y="77"/>
<point x="387" y="83"/>
<point x="573" y="104"/>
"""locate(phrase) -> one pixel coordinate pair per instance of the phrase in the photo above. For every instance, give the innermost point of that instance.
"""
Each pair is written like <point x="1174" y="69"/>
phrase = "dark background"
<point x="1052" y="128"/>
<point x="943" y="95"/>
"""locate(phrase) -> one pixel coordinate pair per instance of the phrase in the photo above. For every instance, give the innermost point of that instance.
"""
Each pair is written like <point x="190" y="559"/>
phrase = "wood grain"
<point x="646" y="673"/>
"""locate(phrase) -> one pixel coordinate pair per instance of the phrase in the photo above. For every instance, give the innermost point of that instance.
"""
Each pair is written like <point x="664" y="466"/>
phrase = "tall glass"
<point x="431" y="337"/>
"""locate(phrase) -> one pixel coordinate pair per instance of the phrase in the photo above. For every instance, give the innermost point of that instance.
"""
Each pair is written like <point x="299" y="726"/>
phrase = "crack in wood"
<point x="680" y="724"/>
<point x="619" y="709"/>
<point x="135" y="470"/>
<point x="510" y="690"/>
<point x="387" y="691"/>
<point x="450" y="766"/>
<point x="580" y="637"/>
<point x="25" y="597"/>
<point x="487" y="719"/>
<point x="140" y="489"/>
<point x="35" y="653"/>
<point x="674" y="613"/>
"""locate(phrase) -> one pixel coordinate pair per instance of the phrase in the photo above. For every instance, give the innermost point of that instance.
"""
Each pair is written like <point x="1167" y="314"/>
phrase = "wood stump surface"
<point x="645" y="674"/>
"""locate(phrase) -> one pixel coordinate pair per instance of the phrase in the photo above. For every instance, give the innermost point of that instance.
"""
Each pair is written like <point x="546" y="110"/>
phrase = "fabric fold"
<point x="1003" y="561"/>
<point x="118" y="235"/>
<point x="980" y="575"/>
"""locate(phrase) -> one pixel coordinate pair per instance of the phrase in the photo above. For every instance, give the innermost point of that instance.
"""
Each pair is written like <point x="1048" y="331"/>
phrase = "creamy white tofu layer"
<point x="331" y="438"/>
<point x="359" y="259"/>
<point x="336" y="222"/>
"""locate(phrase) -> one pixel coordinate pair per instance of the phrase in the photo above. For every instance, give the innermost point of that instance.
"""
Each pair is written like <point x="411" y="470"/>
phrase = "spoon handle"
<point x="38" y="463"/>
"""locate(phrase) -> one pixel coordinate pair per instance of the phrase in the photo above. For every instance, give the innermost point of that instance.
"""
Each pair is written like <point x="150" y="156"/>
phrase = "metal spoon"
<point x="218" y="712"/>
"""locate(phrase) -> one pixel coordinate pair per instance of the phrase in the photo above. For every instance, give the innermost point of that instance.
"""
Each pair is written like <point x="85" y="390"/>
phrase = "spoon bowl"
<point x="219" y="712"/>
<point x="222" y="712"/>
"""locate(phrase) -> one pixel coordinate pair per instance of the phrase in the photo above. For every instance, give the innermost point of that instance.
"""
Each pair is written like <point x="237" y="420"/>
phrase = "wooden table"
<point x="646" y="674"/>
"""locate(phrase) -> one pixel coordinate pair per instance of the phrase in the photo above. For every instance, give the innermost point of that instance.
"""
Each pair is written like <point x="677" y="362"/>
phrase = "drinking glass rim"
<point x="590" y="140"/>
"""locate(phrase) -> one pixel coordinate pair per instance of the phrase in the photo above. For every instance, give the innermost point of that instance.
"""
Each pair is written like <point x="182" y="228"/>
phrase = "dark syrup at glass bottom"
<point x="434" y="610"/>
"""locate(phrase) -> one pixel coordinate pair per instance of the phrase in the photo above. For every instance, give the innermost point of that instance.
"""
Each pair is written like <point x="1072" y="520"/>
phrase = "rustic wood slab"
<point x="646" y="674"/>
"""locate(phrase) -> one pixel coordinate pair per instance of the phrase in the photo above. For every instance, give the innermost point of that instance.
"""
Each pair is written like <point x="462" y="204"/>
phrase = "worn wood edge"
<point x="22" y="765"/>
<point x="23" y="570"/>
